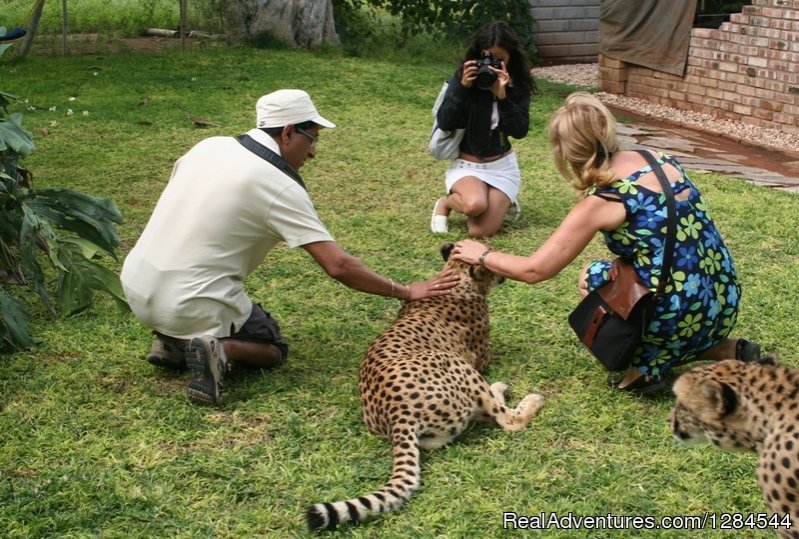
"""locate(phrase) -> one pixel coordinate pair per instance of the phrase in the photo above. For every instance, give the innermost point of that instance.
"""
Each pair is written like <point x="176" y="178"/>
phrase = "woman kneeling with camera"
<point x="489" y="97"/>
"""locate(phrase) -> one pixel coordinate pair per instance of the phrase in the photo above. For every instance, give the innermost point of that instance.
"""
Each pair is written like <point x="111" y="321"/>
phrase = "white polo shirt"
<point x="222" y="211"/>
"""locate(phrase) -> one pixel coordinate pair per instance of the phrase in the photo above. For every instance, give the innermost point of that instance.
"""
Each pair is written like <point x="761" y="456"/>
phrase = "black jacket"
<point x="470" y="108"/>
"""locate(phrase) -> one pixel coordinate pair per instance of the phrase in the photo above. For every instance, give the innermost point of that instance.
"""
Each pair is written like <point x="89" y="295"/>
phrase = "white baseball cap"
<point x="287" y="107"/>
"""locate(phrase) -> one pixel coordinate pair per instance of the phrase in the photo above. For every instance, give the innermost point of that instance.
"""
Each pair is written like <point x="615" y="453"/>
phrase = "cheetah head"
<point x="710" y="405"/>
<point x="477" y="277"/>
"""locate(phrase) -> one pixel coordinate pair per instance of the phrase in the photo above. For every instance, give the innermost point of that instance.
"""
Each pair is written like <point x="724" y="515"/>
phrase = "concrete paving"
<point x="703" y="151"/>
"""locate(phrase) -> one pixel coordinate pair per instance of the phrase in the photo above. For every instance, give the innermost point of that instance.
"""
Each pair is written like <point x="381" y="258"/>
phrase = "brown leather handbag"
<point x="611" y="320"/>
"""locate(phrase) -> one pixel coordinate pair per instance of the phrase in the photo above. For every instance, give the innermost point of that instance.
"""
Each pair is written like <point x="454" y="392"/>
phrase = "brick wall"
<point x="747" y="70"/>
<point x="566" y="30"/>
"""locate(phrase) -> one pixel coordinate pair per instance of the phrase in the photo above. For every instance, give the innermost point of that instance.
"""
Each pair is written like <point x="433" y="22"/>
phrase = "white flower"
<point x="72" y="98"/>
<point x="32" y="108"/>
<point x="193" y="79"/>
<point x="96" y="73"/>
<point x="85" y="113"/>
<point x="53" y="123"/>
<point x="69" y="112"/>
<point x="52" y="109"/>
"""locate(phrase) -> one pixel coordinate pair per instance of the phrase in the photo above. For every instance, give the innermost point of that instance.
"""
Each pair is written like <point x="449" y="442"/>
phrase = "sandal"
<point x="513" y="213"/>
<point x="643" y="385"/>
<point x="748" y="351"/>
<point x="439" y="224"/>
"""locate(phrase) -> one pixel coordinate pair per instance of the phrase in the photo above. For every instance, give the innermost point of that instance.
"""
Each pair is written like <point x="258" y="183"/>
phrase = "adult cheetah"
<point x="748" y="406"/>
<point x="420" y="386"/>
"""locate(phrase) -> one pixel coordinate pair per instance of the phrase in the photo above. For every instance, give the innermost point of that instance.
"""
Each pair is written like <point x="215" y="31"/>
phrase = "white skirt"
<point x="502" y="174"/>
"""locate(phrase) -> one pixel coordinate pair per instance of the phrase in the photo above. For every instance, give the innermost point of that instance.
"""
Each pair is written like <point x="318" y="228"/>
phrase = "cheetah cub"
<point x="748" y="406"/>
<point x="420" y="386"/>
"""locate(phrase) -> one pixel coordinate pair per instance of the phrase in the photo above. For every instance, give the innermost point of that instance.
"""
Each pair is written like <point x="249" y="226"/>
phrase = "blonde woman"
<point x="623" y="200"/>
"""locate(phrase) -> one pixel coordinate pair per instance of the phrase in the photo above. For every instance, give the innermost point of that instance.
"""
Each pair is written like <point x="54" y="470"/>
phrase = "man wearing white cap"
<point x="228" y="203"/>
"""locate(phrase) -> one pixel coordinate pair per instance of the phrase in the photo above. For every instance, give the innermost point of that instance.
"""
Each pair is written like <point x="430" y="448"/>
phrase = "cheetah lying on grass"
<point x="420" y="386"/>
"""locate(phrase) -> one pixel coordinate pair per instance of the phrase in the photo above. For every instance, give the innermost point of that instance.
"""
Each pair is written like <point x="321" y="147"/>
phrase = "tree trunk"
<point x="300" y="23"/>
<point x="27" y="42"/>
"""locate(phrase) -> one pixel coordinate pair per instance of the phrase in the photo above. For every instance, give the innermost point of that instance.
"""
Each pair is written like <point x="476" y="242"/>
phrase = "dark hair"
<point x="500" y="34"/>
<point x="275" y="131"/>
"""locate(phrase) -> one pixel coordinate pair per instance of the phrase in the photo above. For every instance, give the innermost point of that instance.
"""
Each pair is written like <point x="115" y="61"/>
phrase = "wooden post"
<point x="64" y="26"/>
<point x="183" y="17"/>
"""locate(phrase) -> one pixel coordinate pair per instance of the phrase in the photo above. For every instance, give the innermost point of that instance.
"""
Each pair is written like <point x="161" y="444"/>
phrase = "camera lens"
<point x="485" y="78"/>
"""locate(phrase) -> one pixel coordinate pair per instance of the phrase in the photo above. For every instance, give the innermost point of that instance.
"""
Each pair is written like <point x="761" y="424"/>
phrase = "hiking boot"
<point x="206" y="360"/>
<point x="168" y="353"/>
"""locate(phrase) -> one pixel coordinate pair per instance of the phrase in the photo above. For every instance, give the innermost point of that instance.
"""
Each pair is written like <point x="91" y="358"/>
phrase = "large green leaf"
<point x="32" y="239"/>
<point x="88" y="217"/>
<point x="82" y="276"/>
<point x="14" y="320"/>
<point x="13" y="137"/>
<point x="6" y="99"/>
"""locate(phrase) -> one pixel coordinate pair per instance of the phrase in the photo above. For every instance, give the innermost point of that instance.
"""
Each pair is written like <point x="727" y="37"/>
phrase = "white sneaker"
<point x="513" y="213"/>
<point x="439" y="224"/>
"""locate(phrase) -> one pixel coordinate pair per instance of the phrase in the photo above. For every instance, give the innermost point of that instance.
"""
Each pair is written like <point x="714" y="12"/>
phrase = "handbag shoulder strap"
<point x="440" y="98"/>
<point x="268" y="155"/>
<point x="671" y="220"/>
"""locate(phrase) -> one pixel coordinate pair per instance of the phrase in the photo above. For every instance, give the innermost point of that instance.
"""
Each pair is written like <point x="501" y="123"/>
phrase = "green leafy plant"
<point x="66" y="229"/>
<point x="449" y="19"/>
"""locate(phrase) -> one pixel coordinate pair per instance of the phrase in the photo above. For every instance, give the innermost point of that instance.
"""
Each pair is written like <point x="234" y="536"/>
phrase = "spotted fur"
<point x="420" y="386"/>
<point x="747" y="406"/>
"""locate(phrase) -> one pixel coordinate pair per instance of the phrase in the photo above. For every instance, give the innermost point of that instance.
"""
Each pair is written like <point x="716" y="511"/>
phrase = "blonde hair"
<point x="583" y="135"/>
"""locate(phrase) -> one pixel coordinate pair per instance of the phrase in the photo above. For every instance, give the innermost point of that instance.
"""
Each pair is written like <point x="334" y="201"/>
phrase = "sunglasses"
<point x="310" y="136"/>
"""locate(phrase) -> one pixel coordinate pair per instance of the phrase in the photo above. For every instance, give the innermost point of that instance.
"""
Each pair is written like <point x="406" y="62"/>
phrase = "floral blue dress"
<point x="700" y="305"/>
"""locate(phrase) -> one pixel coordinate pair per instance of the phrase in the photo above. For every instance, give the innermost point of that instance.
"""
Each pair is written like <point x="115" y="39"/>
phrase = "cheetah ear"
<point x="722" y="400"/>
<point x="446" y="250"/>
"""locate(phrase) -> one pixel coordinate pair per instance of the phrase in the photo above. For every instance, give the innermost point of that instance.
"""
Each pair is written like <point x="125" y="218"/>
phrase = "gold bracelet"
<point x="481" y="261"/>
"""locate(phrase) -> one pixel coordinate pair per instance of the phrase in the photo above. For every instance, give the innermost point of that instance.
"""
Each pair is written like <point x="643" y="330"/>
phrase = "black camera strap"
<point x="268" y="155"/>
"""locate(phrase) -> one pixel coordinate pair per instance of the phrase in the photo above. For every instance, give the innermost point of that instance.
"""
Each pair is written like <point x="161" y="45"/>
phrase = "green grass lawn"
<point x="98" y="443"/>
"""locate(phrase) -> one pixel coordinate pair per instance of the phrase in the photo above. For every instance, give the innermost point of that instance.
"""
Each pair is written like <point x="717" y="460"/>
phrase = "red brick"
<point x="606" y="61"/>
<point x="773" y="12"/>
<point x="765" y="94"/>
<point x="612" y="87"/>
<point x="771" y="105"/>
<point x="737" y="78"/>
<point x="612" y="75"/>
<point x="746" y="90"/>
<point x="733" y="97"/>
<point x="693" y="98"/>
<point x="715" y="93"/>
<point x="763" y="114"/>
<point x="702" y="32"/>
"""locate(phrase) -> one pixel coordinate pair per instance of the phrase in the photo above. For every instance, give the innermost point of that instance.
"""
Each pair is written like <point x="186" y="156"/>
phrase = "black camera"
<point x="485" y="77"/>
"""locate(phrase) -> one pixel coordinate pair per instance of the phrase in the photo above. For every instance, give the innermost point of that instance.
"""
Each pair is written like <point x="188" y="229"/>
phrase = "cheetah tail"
<point x="405" y="479"/>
